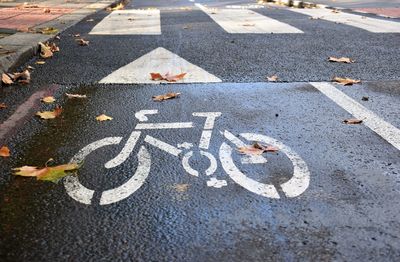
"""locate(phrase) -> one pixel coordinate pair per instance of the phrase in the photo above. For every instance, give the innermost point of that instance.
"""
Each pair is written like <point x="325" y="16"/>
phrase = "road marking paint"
<point x="177" y="125"/>
<point x="210" y="170"/>
<point x="245" y="21"/>
<point x="185" y="145"/>
<point x="213" y="182"/>
<point x="162" y="61"/>
<point x="21" y="112"/>
<point x="162" y="145"/>
<point x="205" y="139"/>
<point x="246" y="159"/>
<point x="125" y="152"/>
<point x="384" y="129"/>
<point x="72" y="185"/>
<point x="210" y="118"/>
<point x="133" y="184"/>
<point x="370" y="24"/>
<point x="141" y="115"/>
<point x="129" y="22"/>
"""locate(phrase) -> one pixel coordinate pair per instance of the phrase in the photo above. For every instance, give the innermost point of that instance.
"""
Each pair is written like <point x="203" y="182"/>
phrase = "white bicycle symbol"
<point x="294" y="187"/>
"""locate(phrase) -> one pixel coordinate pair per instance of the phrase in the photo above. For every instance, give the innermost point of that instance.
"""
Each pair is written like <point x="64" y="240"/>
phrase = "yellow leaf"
<point x="40" y="62"/>
<point x="50" y="114"/>
<point x="48" y="99"/>
<point x="45" y="51"/>
<point x="52" y="174"/>
<point x="4" y="151"/>
<point x="103" y="117"/>
<point x="48" y="30"/>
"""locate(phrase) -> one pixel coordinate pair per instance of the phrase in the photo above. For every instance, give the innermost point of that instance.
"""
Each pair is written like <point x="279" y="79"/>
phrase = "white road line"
<point x="160" y="61"/>
<point x="141" y="115"/>
<point x="205" y="139"/>
<point x="370" y="24"/>
<point x="370" y="119"/>
<point x="186" y="165"/>
<point x="129" y="22"/>
<point x="162" y="145"/>
<point x="213" y="182"/>
<point x="242" y="21"/>
<point x="177" y="125"/>
<point x="210" y="170"/>
<point x="133" y="184"/>
<point x="22" y="111"/>
<point x="210" y="118"/>
<point x="125" y="152"/>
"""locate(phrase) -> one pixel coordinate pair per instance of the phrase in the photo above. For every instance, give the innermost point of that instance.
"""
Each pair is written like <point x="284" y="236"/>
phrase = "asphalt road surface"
<point x="164" y="181"/>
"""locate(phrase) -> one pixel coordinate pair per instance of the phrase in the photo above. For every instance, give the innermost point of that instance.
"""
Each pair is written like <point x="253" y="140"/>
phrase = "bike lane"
<point x="174" y="215"/>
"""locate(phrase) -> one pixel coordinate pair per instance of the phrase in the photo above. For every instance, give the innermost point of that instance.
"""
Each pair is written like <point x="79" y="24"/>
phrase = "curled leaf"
<point x="6" y="79"/>
<point x="340" y="60"/>
<point x="4" y="151"/>
<point x="257" y="149"/>
<point x="45" y="51"/>
<point x="83" y="42"/>
<point x="3" y="105"/>
<point x="167" y="77"/>
<point x="103" y="117"/>
<point x="273" y="78"/>
<point x="346" y="81"/>
<point x="167" y="96"/>
<point x="53" y="174"/>
<point x="352" y="121"/>
<point x="24" y="77"/>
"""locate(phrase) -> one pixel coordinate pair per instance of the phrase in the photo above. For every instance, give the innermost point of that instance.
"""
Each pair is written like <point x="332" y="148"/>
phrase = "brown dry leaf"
<point x="103" y="117"/>
<point x="4" y="151"/>
<point x="340" y="60"/>
<point x="46" y="11"/>
<point x="167" y="96"/>
<point x="53" y="174"/>
<point x="83" y="42"/>
<point x="50" y="114"/>
<point x="45" y="51"/>
<point x="352" y="121"/>
<point x="346" y="81"/>
<point x="40" y="62"/>
<point x="48" y="99"/>
<point x="53" y="47"/>
<point x="257" y="149"/>
<point x="75" y="96"/>
<point x="167" y="77"/>
<point x="6" y="79"/>
<point x="273" y="78"/>
<point x="181" y="187"/>
<point x="3" y="106"/>
<point x="24" y="77"/>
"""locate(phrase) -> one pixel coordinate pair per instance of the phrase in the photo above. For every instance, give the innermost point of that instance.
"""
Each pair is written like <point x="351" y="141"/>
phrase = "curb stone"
<point x="25" y="45"/>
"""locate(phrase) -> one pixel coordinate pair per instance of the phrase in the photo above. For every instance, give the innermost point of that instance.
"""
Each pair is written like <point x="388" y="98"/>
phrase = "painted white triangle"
<point x="162" y="61"/>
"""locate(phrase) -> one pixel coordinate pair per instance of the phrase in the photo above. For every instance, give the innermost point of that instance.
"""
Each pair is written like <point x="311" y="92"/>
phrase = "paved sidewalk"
<point x="21" y="22"/>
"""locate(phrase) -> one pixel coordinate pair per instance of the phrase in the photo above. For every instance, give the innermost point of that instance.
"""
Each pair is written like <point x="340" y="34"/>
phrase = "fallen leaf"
<point x="340" y="60"/>
<point x="75" y="96"/>
<point x="335" y="11"/>
<point x="103" y="117"/>
<point x="273" y="78"/>
<point x="181" y="187"/>
<point x="167" y="77"/>
<point x="40" y="62"/>
<point x="352" y="121"/>
<point x="24" y="77"/>
<point x="46" y="11"/>
<point x="346" y="81"/>
<point x="53" y="47"/>
<point x="90" y="20"/>
<point x="48" y="99"/>
<point x="4" y="151"/>
<point x="83" y="42"/>
<point x="117" y="7"/>
<point x="6" y="79"/>
<point x="249" y="24"/>
<point x="30" y="67"/>
<point x="48" y="30"/>
<point x="257" y="149"/>
<point x="76" y="35"/>
<point x="3" y="105"/>
<point x="57" y="37"/>
<point x="6" y="52"/>
<point x="167" y="96"/>
<point x="53" y="174"/>
<point x="50" y="114"/>
<point x="45" y="51"/>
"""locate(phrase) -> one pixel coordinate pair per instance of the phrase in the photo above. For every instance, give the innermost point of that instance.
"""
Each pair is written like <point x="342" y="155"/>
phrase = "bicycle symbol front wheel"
<point x="294" y="187"/>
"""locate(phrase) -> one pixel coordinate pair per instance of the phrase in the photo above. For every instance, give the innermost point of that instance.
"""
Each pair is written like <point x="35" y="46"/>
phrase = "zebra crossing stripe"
<point x="370" y="24"/>
<point x="244" y="21"/>
<point x="129" y="22"/>
<point x="162" y="61"/>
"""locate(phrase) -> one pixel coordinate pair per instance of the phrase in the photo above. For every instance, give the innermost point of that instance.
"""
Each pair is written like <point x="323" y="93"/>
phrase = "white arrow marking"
<point x="160" y="61"/>
<point x="129" y="22"/>
<point x="141" y="115"/>
<point x="242" y="21"/>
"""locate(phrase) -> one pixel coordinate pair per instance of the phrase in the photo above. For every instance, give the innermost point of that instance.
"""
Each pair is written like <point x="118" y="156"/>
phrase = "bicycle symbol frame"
<point x="294" y="187"/>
